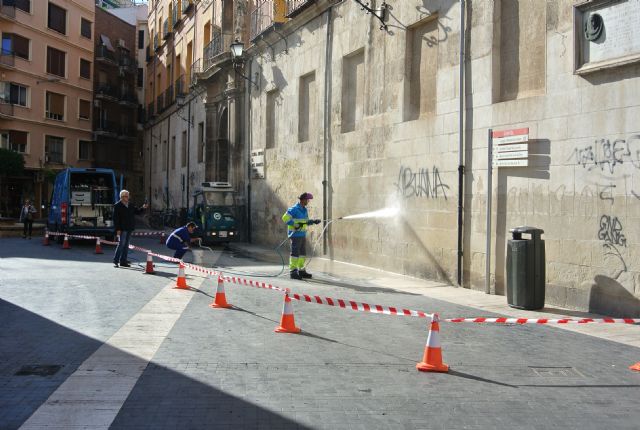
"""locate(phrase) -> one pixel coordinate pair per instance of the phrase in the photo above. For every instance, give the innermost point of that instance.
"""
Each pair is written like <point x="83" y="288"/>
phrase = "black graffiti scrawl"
<point x="421" y="183"/>
<point x="611" y="233"/>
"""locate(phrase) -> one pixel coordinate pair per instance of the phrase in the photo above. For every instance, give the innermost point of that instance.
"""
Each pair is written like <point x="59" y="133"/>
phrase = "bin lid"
<point x="526" y="230"/>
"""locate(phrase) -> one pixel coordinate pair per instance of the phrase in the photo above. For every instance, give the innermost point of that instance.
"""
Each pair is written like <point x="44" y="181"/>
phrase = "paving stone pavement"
<point x="223" y="368"/>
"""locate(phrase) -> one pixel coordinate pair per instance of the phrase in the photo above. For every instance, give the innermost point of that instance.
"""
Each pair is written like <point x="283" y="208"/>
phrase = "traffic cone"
<point x="45" y="241"/>
<point x="220" y="300"/>
<point x="635" y="367"/>
<point x="149" y="269"/>
<point x="287" y="322"/>
<point x="432" y="359"/>
<point x="65" y="244"/>
<point x="181" y="282"/>
<point x="98" y="247"/>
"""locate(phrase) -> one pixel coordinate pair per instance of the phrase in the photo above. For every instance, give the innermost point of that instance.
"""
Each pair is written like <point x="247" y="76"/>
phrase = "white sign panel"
<point x="511" y="163"/>
<point x="510" y="139"/>
<point x="506" y="155"/>
<point x="515" y="147"/>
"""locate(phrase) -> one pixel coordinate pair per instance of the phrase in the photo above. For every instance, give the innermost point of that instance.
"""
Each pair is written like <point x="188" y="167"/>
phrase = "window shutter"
<point x="56" y="104"/>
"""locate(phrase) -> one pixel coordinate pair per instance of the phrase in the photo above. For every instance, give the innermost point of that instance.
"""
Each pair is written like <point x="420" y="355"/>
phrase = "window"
<point x="85" y="69"/>
<point x="140" y="80"/>
<point x="55" y="106"/>
<point x="57" y="19"/>
<point x="84" y="150"/>
<point x="421" y="69"/>
<point x="18" y="141"/>
<point x="84" y="109"/>
<point x="56" y="62"/>
<point x="184" y="149"/>
<point x="273" y="116"/>
<point x="54" y="149"/>
<point x="140" y="39"/>
<point x="306" y="107"/>
<point x="85" y="28"/>
<point x="14" y="94"/>
<point x="14" y="44"/>
<point x="24" y="5"/>
<point x="201" y="142"/>
<point x="352" y="90"/>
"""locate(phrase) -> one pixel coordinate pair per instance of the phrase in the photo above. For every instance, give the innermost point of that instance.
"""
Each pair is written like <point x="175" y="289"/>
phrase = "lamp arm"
<point x="247" y="78"/>
<point x="381" y="13"/>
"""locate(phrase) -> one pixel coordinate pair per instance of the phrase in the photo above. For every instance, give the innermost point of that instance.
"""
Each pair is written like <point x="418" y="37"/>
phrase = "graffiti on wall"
<point x="606" y="154"/>
<point x="610" y="231"/>
<point x="421" y="183"/>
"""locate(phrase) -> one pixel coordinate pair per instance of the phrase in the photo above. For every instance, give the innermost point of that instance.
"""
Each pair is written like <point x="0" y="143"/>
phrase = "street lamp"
<point x="237" y="58"/>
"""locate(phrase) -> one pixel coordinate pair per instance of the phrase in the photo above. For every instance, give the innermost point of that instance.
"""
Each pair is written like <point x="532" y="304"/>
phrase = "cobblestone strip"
<point x="93" y="395"/>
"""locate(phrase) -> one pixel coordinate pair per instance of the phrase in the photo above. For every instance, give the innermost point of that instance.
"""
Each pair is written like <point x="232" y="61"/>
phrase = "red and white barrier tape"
<point x="360" y="306"/>
<point x="148" y="233"/>
<point x="544" y="320"/>
<point x="357" y="306"/>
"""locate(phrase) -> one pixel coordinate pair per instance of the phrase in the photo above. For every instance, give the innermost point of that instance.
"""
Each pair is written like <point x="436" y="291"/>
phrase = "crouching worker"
<point x="297" y="219"/>
<point x="180" y="239"/>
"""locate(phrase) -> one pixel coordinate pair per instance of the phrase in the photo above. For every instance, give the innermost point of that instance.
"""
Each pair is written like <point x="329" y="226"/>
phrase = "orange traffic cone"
<point x="181" y="282"/>
<point x="432" y="359"/>
<point x="635" y="367"/>
<point x="45" y="241"/>
<point x="221" y="300"/>
<point x="149" y="269"/>
<point x="65" y="244"/>
<point x="287" y="322"/>
<point x="98" y="247"/>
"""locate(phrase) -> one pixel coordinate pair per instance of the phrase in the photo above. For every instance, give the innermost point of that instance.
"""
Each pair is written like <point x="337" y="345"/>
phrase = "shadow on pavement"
<point x="37" y="355"/>
<point x="477" y="378"/>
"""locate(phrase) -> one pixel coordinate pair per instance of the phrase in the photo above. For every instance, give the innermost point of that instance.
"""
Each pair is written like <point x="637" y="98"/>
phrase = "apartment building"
<point x="116" y="106"/>
<point x="46" y="91"/>
<point x="193" y="99"/>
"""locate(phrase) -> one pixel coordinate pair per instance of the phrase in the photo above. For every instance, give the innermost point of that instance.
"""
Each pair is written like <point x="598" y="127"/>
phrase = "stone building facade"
<point x="366" y="118"/>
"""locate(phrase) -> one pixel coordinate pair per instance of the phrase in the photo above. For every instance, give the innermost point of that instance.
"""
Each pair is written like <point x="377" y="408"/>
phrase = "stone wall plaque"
<point x="606" y="34"/>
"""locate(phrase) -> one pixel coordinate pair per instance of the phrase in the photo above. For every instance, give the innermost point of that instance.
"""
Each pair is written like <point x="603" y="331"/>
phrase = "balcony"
<point x="266" y="15"/>
<point x="212" y="49"/>
<point x="129" y="99"/>
<point x="128" y="64"/>
<point x="177" y="14"/>
<point x="186" y="6"/>
<point x="106" y="128"/>
<point x="160" y="103"/>
<point x="104" y="55"/>
<point x="294" y="7"/>
<point x="7" y="58"/>
<point x="150" y="111"/>
<point x="7" y="11"/>
<point x="150" y="55"/>
<point x="181" y="88"/>
<point x="106" y="92"/>
<point x="168" y="97"/>
<point x="196" y="68"/>
<point x="167" y="29"/>
<point x="127" y="132"/>
<point x="156" y="42"/>
<point x="6" y="109"/>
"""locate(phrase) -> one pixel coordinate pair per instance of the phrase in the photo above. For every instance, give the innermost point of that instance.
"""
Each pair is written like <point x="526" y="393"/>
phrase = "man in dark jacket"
<point x="124" y="221"/>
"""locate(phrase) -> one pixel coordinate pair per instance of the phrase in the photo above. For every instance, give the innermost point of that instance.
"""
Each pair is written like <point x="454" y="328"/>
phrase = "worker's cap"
<point x="305" y="196"/>
<point x="192" y="224"/>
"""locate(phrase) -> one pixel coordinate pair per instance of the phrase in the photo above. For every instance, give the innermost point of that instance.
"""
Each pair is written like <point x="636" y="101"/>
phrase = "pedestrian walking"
<point x="297" y="220"/>
<point x="180" y="238"/>
<point x="124" y="221"/>
<point x="26" y="218"/>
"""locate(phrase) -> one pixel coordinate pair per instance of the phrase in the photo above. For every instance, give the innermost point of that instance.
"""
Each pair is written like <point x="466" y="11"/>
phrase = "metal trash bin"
<point x="526" y="271"/>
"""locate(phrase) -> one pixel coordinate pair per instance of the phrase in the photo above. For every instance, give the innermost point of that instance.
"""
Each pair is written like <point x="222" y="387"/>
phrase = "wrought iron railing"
<point x="160" y="103"/>
<point x="212" y="49"/>
<point x="265" y="15"/>
<point x="167" y="32"/>
<point x="106" y="90"/>
<point x="103" y="53"/>
<point x="294" y="7"/>
<point x="177" y="14"/>
<point x="180" y="86"/>
<point x="186" y="5"/>
<point x="196" y="68"/>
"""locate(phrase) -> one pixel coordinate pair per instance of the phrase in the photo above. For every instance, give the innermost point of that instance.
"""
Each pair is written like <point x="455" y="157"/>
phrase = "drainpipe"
<point x="166" y="188"/>
<point x="247" y="134"/>
<point x="461" y="142"/>
<point x="189" y="125"/>
<point x="327" y="128"/>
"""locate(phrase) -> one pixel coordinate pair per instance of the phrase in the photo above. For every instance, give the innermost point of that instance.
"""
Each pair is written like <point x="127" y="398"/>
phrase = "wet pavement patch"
<point x="38" y="370"/>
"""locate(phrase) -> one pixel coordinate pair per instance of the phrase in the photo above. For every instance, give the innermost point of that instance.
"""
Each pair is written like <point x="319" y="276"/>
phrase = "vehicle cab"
<point x="215" y="213"/>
